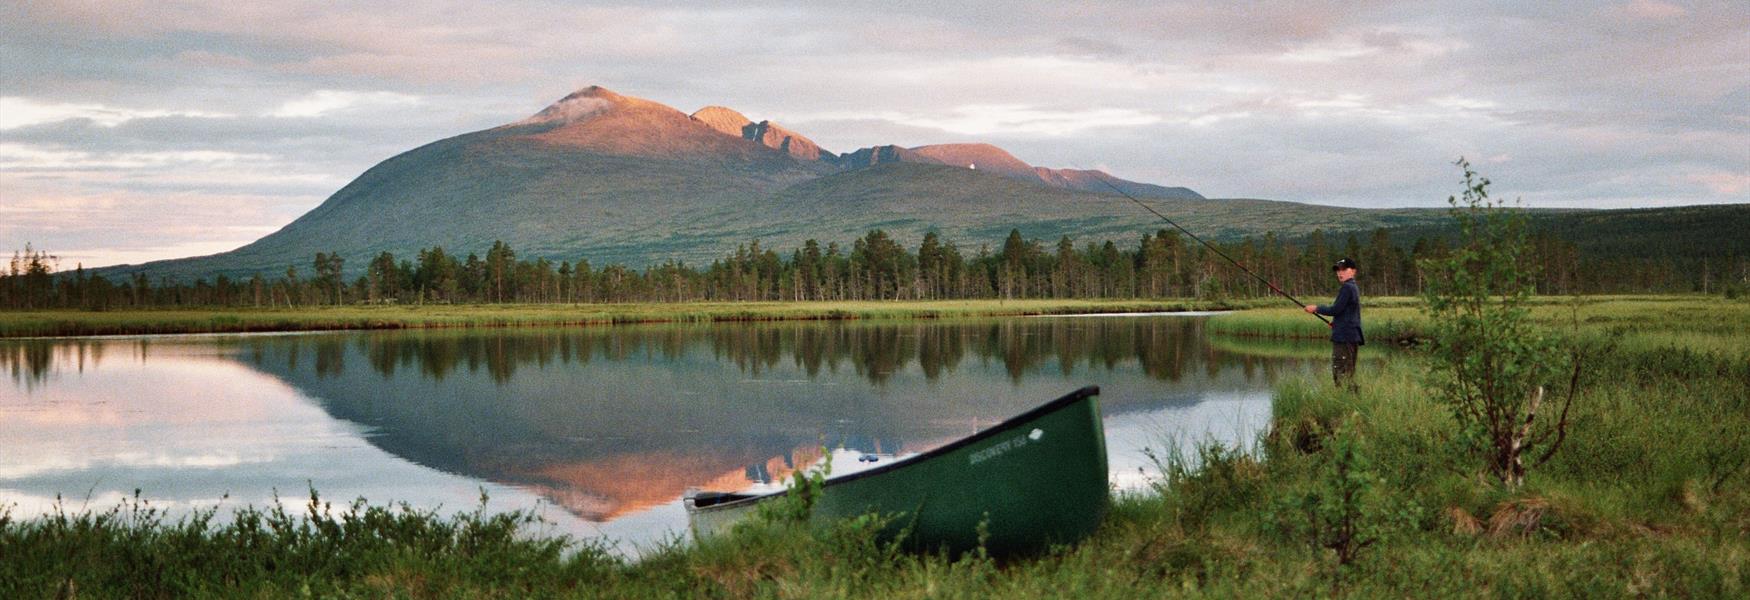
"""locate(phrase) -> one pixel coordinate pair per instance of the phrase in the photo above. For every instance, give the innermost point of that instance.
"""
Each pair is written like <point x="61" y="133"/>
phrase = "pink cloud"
<point x="1722" y="183"/>
<point x="1652" y="10"/>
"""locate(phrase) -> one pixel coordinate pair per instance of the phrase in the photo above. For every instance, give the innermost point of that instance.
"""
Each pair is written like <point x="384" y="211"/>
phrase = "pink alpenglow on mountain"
<point x="774" y="136"/>
<point x="987" y="157"/>
<point x="723" y="120"/>
<point x="623" y="180"/>
<point x="767" y="133"/>
<point x="600" y="120"/>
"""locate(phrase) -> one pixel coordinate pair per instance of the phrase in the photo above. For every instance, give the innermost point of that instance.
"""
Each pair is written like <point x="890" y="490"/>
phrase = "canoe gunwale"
<point x="729" y="501"/>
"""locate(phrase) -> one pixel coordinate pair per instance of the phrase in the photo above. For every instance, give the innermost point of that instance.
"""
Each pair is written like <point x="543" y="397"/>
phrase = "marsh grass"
<point x="137" y="322"/>
<point x="1277" y="347"/>
<point x="1649" y="497"/>
<point x="134" y="550"/>
<point x="1387" y="320"/>
<point x="1644" y="325"/>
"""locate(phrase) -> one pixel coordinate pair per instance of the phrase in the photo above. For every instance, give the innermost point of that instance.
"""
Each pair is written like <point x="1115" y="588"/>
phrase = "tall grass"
<point x="1648" y="495"/>
<point x="135" y="322"/>
<point x="131" y="550"/>
<point x="1645" y="325"/>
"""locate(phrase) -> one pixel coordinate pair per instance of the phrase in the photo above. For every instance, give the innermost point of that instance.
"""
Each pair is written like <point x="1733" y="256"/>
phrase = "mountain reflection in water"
<point x="609" y="421"/>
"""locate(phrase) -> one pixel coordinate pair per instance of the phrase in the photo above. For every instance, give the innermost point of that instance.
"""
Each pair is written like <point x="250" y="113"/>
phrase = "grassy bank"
<point x="1650" y="496"/>
<point x="1386" y="320"/>
<point x="136" y="322"/>
<point x="1645" y="323"/>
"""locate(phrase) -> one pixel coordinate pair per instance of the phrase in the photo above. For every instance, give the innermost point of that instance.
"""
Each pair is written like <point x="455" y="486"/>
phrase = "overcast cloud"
<point x="132" y="131"/>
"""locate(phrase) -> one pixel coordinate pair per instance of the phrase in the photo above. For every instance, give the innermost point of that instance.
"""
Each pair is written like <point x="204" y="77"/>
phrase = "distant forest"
<point x="873" y="267"/>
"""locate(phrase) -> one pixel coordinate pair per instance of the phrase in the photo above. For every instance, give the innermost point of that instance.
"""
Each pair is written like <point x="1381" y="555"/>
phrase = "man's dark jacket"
<point x="1345" y="315"/>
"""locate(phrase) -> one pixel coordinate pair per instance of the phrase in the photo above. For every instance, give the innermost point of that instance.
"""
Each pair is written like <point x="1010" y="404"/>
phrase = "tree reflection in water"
<point x="1164" y="348"/>
<point x="610" y="420"/>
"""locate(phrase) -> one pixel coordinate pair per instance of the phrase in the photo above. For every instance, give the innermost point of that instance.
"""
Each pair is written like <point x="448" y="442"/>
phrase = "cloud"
<point x="16" y="112"/>
<point x="1364" y="103"/>
<point x="1649" y="10"/>
<point x="323" y="102"/>
<point x="1724" y="183"/>
<point x="95" y="226"/>
<point x="107" y="255"/>
<point x="19" y="157"/>
<point x="1008" y="119"/>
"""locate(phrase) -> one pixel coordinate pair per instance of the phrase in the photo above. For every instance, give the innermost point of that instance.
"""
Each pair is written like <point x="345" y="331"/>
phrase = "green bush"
<point x="1490" y="364"/>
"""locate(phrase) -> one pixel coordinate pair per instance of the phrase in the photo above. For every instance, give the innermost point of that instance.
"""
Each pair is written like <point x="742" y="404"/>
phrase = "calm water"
<point x="600" y="430"/>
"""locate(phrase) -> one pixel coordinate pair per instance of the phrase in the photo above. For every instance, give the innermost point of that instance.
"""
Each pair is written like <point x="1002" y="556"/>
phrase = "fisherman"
<point x="1345" y="313"/>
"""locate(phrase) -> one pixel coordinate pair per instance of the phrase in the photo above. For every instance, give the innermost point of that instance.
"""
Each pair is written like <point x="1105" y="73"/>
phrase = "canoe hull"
<point x="1032" y="481"/>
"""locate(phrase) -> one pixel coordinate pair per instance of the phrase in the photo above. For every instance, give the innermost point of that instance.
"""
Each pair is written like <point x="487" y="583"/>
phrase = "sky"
<point x="141" y="130"/>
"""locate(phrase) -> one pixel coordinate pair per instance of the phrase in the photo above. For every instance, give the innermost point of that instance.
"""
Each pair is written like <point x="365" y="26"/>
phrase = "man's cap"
<point x="1343" y="263"/>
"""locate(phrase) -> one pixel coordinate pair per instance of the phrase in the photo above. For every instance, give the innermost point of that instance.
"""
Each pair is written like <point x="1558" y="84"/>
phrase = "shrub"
<point x="1491" y="364"/>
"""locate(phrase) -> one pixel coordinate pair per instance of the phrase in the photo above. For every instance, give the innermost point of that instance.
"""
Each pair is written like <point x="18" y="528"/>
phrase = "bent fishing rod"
<point x="1212" y="248"/>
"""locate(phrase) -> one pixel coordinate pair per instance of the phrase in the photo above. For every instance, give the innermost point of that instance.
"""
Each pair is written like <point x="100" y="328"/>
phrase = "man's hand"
<point x="1312" y="309"/>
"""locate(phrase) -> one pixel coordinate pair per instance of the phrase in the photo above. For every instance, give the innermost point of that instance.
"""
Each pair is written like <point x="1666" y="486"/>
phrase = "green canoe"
<point x="1034" y="480"/>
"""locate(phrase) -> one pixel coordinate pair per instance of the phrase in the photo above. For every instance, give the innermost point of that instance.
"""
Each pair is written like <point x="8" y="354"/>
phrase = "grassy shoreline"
<point x="59" y="323"/>
<point x="1690" y="322"/>
<point x="1650" y="497"/>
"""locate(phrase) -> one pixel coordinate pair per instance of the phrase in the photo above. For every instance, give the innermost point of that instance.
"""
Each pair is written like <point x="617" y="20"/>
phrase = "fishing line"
<point x="1210" y="246"/>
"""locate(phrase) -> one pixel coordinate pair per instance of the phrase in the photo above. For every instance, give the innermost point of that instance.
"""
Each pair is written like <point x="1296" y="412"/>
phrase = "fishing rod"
<point x="1212" y="248"/>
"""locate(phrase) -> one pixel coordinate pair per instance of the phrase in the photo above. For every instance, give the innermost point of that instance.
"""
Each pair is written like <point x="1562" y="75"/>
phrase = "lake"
<point x="599" y="430"/>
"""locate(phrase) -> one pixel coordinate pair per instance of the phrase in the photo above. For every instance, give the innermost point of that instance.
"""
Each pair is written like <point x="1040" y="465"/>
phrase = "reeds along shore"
<point x="1347" y="495"/>
<point x="1646" y="324"/>
<point x="1387" y="318"/>
<point x="168" y="321"/>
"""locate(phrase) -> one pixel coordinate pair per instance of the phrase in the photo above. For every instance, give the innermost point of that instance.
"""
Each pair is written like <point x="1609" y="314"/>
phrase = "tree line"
<point x="873" y="267"/>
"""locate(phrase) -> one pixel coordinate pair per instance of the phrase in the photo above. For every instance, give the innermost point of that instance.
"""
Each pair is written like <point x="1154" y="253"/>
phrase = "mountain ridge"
<point x="624" y="180"/>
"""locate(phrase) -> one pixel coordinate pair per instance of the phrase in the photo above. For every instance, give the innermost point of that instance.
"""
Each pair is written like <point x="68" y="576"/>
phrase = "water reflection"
<point x="606" y="421"/>
<point x="612" y="422"/>
<point x="30" y="362"/>
<point x="1164" y="348"/>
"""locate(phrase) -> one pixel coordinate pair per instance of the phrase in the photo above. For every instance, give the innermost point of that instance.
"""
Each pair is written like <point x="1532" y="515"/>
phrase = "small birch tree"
<point x="1491" y="365"/>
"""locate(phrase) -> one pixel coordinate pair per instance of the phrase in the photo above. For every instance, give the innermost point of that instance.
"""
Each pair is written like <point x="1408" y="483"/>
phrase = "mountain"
<point x="595" y="171"/>
<point x="985" y="157"/>
<point x="991" y="159"/>
<point x="602" y="122"/>
<point x="729" y="122"/>
<point x="624" y="180"/>
<point x="724" y="120"/>
<point x="620" y="179"/>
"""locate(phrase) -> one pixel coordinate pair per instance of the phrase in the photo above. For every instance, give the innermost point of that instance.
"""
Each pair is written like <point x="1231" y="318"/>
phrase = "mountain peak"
<point x="577" y="106"/>
<point x="771" y="135"/>
<point x="777" y="137"/>
<point x="877" y="155"/>
<point x="984" y="157"/>
<point x="597" y="119"/>
<point x="591" y="102"/>
<point x="723" y="119"/>
<point x="990" y="159"/>
<point x="595" y="91"/>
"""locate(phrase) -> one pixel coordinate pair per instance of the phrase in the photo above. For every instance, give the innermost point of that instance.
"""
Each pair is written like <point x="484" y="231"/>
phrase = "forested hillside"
<point x="1688" y="249"/>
